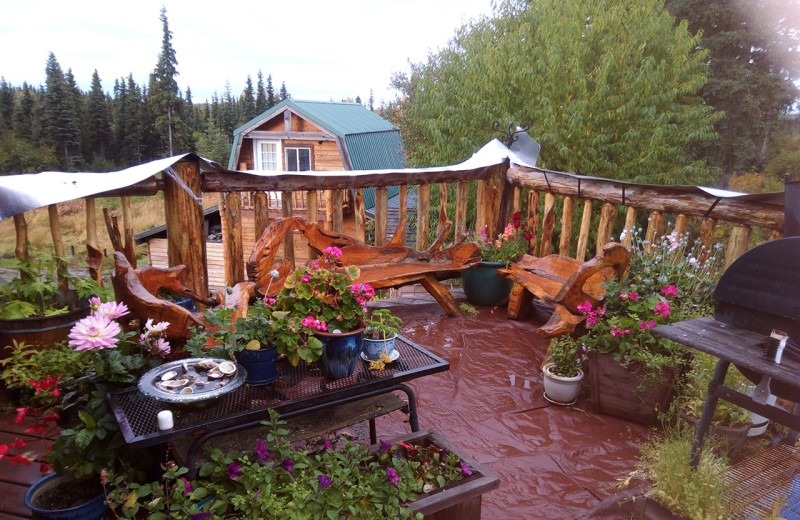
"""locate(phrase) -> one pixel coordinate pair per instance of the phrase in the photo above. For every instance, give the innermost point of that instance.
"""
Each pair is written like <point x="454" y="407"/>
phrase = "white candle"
<point x="165" y="420"/>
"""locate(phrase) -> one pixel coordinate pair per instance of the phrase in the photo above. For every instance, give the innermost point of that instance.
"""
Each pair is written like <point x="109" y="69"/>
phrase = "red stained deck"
<point x="554" y="462"/>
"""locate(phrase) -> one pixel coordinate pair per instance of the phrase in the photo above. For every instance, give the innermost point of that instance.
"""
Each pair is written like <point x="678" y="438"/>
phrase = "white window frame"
<point x="258" y="163"/>
<point x="286" y="156"/>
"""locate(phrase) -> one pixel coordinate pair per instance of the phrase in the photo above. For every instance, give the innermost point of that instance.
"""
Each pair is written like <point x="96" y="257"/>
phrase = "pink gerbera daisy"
<point x="94" y="332"/>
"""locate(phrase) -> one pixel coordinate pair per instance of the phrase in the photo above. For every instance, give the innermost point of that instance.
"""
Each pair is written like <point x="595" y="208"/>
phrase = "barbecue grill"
<point x="757" y="297"/>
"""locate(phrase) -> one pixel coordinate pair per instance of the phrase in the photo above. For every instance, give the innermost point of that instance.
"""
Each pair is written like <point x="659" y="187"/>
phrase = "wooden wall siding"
<point x="303" y="125"/>
<point x="275" y="124"/>
<point x="274" y="204"/>
<point x="246" y="161"/>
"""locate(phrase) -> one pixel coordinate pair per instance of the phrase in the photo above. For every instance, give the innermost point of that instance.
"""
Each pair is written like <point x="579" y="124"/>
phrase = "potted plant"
<point x="482" y="285"/>
<point x="89" y="441"/>
<point x="562" y="372"/>
<point x="330" y="303"/>
<point x="34" y="308"/>
<point x="666" y="283"/>
<point x="256" y="340"/>
<point x="380" y="334"/>
<point x="321" y="479"/>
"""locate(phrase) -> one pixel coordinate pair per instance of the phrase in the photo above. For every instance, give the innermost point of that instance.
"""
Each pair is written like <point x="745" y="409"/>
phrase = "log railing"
<point x="564" y="213"/>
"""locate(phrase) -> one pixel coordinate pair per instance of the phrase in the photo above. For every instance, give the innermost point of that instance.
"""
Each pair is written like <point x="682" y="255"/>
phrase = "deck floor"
<point x="554" y="462"/>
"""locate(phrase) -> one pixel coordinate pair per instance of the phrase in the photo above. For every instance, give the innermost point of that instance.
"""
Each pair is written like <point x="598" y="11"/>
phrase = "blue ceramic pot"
<point x="261" y="365"/>
<point x="373" y="348"/>
<point x="340" y="352"/>
<point x="94" y="509"/>
<point x="483" y="286"/>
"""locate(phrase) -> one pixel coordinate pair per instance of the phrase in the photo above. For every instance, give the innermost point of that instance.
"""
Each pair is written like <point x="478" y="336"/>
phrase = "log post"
<point x="516" y="200"/>
<point x="360" y="215"/>
<point x="287" y="210"/>
<point x="533" y="220"/>
<point x="583" y="234"/>
<point x="21" y="249"/>
<point x="493" y="207"/>
<point x="260" y="212"/>
<point x="423" y="216"/>
<point x="548" y="224"/>
<point x="655" y="229"/>
<point x="706" y="238"/>
<point x="566" y="226"/>
<point x="442" y="208"/>
<point x="681" y="226"/>
<point x="329" y="209"/>
<point x="462" y="200"/>
<point x="186" y="240"/>
<point x="402" y="210"/>
<point x="94" y="256"/>
<point x="737" y="244"/>
<point x="338" y="211"/>
<point x="312" y="210"/>
<point x="232" y="238"/>
<point x="607" y="216"/>
<point x="381" y="215"/>
<point x="630" y="223"/>
<point x="58" y="244"/>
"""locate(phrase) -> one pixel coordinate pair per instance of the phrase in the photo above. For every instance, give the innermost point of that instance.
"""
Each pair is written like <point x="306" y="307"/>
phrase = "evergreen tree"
<point x="271" y="101"/>
<point x="284" y="93"/>
<point x="371" y="101"/>
<point x="358" y="99"/>
<point x="164" y="96"/>
<point x="6" y="105"/>
<point x="61" y="126"/>
<point x="261" y="97"/>
<point x="190" y="119"/>
<point x="608" y="87"/>
<point x="227" y="114"/>
<point x="248" y="102"/>
<point x="25" y="117"/>
<point x="98" y="116"/>
<point x="753" y="61"/>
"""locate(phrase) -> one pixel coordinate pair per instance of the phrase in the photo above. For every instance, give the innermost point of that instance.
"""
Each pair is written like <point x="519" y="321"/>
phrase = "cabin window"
<point x="268" y="155"/>
<point x="298" y="159"/>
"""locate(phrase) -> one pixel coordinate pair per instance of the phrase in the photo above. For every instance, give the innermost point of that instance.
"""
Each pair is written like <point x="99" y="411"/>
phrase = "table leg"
<point x="412" y="406"/>
<point x="709" y="408"/>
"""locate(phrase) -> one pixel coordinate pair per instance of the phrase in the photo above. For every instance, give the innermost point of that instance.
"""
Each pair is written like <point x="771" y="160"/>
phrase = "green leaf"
<point x="87" y="419"/>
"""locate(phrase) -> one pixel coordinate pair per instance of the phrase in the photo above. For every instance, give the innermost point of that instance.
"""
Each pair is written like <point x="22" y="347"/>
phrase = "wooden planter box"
<point x="461" y="500"/>
<point x="627" y="392"/>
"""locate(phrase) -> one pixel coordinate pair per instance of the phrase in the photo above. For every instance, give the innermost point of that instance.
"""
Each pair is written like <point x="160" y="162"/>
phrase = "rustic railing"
<point x="564" y="213"/>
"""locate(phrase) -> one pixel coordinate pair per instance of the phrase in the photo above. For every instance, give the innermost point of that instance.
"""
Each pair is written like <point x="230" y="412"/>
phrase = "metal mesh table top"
<point x="296" y="388"/>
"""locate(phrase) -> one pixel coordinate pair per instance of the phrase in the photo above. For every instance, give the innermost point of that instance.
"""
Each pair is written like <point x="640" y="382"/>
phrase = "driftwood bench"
<point x="564" y="283"/>
<point x="383" y="267"/>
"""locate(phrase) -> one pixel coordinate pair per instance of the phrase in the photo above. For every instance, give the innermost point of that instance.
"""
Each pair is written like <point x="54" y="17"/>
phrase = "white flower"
<point x="274" y="274"/>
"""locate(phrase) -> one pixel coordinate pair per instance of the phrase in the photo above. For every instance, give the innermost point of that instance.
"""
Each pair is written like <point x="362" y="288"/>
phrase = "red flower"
<point x="19" y="460"/>
<point x="3" y="450"/>
<point x="516" y="219"/>
<point x="18" y="444"/>
<point x="527" y="235"/>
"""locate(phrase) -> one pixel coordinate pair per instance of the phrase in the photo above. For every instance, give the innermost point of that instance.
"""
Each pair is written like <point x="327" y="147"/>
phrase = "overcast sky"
<point x="321" y="49"/>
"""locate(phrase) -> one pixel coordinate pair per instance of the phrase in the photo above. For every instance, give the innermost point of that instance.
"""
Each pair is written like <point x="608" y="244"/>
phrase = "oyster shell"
<point x="206" y="364"/>
<point x="175" y="384"/>
<point x="187" y="390"/>
<point x="168" y="376"/>
<point x="227" y="367"/>
<point x="216" y="373"/>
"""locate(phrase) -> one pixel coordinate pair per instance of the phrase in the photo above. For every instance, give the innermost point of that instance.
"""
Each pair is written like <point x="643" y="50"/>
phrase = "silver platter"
<point x="210" y="389"/>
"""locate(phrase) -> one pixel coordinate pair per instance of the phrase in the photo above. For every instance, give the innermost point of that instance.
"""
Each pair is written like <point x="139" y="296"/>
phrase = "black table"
<point x="744" y="349"/>
<point x="299" y="390"/>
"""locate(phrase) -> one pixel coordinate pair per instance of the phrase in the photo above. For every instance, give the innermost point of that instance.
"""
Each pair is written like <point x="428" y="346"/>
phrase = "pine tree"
<point x="371" y="101"/>
<point x="248" y="101"/>
<point x="61" y="127"/>
<point x="271" y="101"/>
<point x="98" y="116"/>
<point x="261" y="97"/>
<point x="25" y="117"/>
<point x="6" y="105"/>
<point x="284" y="93"/>
<point x="358" y="99"/>
<point x="164" y="96"/>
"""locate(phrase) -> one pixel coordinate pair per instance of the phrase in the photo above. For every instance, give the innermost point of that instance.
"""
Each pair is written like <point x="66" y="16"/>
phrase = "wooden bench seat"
<point x="564" y="283"/>
<point x="305" y="426"/>
<point x="390" y="265"/>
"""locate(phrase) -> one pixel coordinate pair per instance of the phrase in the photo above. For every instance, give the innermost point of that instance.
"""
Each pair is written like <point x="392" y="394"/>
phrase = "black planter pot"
<point x="483" y="286"/>
<point x="93" y="509"/>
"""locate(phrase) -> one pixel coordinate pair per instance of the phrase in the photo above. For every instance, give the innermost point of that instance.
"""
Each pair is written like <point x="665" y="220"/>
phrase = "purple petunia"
<point x="261" y="449"/>
<point x="287" y="464"/>
<point x="328" y="446"/>
<point x="465" y="469"/>
<point x="187" y="486"/>
<point x="385" y="446"/>
<point x="234" y="470"/>
<point x="200" y="516"/>
<point x="392" y="476"/>
<point x="324" y="481"/>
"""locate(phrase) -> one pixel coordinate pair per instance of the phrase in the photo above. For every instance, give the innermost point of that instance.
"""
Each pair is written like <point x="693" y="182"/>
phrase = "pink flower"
<point x="662" y="309"/>
<point x="332" y="251"/>
<point x="585" y="307"/>
<point x="94" y="302"/>
<point x="392" y="476"/>
<point x="670" y="291"/>
<point x="625" y="296"/>
<point x="305" y="279"/>
<point x="647" y="325"/>
<point x="465" y="469"/>
<point x="94" y="332"/>
<point x="112" y="310"/>
<point x="616" y="331"/>
<point x="162" y="347"/>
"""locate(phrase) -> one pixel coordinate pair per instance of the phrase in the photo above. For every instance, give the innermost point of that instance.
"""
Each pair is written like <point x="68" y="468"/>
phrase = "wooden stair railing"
<point x="563" y="282"/>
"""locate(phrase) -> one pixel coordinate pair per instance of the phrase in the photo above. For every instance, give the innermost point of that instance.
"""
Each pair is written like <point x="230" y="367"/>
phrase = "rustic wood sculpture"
<point x="390" y="265"/>
<point x="563" y="282"/>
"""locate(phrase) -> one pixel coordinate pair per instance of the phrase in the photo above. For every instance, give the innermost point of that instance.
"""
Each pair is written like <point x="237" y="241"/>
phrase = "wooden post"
<point x="706" y="238"/>
<point x="493" y="208"/>
<point x="583" y="235"/>
<point x="533" y="220"/>
<point x="312" y="214"/>
<point x="548" y="224"/>
<point x="338" y="211"/>
<point x="21" y="228"/>
<point x="94" y="256"/>
<point x="127" y="223"/>
<point x="287" y="210"/>
<point x="329" y="209"/>
<point x="232" y="238"/>
<point x="655" y="228"/>
<point x="516" y="201"/>
<point x="381" y="215"/>
<point x="462" y="200"/>
<point x="360" y="215"/>
<point x="186" y="238"/>
<point x="402" y="209"/>
<point x="607" y="216"/>
<point x="566" y="226"/>
<point x="681" y="226"/>
<point x="442" y="208"/>
<point x="737" y="244"/>
<point x="423" y="216"/>
<point x="630" y="224"/>
<point x="260" y="213"/>
<point x="58" y="244"/>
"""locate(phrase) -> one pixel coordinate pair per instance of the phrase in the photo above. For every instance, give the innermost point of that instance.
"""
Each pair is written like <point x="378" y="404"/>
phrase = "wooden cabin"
<point x="298" y="136"/>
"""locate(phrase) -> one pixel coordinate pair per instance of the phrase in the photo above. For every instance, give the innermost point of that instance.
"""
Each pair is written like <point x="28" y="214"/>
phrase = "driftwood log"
<point x="390" y="265"/>
<point x="564" y="283"/>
